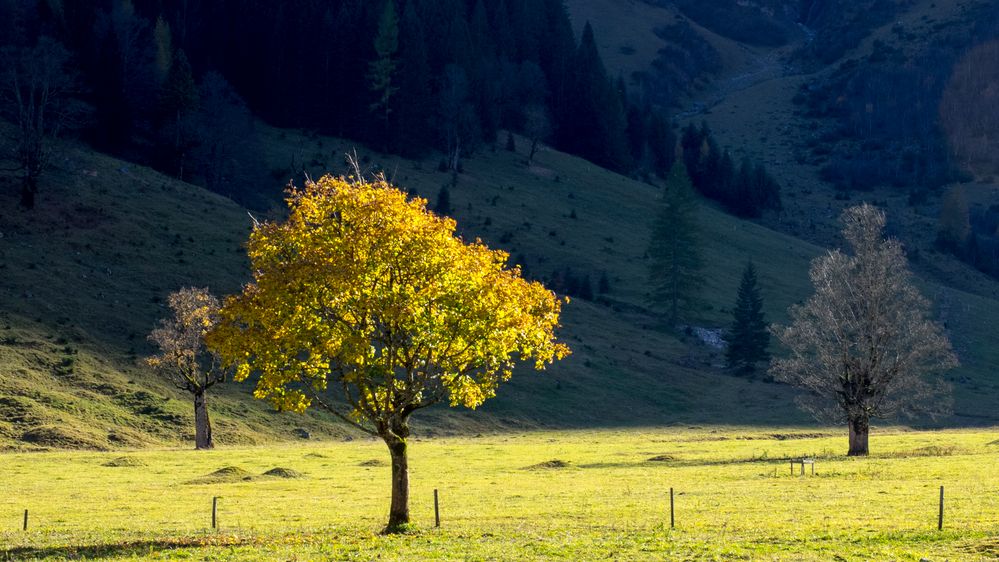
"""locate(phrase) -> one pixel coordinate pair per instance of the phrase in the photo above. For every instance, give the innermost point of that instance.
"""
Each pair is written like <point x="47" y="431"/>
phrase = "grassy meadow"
<point x="578" y="495"/>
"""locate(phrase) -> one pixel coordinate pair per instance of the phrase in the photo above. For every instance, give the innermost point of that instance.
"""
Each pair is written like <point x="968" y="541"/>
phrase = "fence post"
<point x="215" y="507"/>
<point x="940" y="517"/>
<point x="437" y="510"/>
<point x="672" y="519"/>
<point x="25" y="526"/>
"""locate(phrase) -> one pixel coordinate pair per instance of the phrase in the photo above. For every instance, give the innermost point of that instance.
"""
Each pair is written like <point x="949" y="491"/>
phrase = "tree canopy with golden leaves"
<point x="365" y="299"/>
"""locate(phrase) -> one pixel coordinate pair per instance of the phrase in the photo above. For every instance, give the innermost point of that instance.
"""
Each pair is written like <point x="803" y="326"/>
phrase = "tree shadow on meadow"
<point x="120" y="549"/>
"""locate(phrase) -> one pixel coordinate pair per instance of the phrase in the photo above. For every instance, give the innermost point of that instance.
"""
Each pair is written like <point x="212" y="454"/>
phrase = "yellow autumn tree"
<point x="367" y="305"/>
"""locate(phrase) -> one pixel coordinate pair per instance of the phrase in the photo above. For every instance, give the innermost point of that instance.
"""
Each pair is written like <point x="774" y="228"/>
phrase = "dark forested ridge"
<point x="780" y="111"/>
<point x="173" y="83"/>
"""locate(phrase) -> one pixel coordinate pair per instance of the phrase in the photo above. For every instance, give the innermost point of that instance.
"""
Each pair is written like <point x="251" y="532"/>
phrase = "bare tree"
<point x="36" y="93"/>
<point x="184" y="360"/>
<point x="537" y="127"/>
<point x="861" y="345"/>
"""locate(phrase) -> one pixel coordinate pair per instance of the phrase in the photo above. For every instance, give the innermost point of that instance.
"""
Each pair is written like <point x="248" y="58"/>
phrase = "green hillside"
<point x="83" y="278"/>
<point x="750" y="108"/>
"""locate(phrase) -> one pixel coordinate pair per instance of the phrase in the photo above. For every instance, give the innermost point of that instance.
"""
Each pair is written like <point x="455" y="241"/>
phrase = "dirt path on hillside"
<point x="772" y="65"/>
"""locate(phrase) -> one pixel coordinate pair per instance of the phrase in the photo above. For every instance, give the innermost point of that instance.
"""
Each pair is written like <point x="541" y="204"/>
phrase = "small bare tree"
<point x="537" y="127"/>
<point x="862" y="343"/>
<point x="184" y="360"/>
<point x="36" y="92"/>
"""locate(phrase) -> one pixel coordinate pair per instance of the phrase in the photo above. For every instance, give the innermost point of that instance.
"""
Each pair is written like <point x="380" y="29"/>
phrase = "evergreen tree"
<point x="690" y="142"/>
<point x="674" y="251"/>
<point x="163" y="44"/>
<point x="744" y="179"/>
<point x="585" y="290"/>
<point x="557" y="51"/>
<point x="603" y="287"/>
<point x="500" y="24"/>
<point x="662" y="144"/>
<point x="178" y="102"/>
<point x="593" y="123"/>
<point x="748" y="337"/>
<point x="481" y="34"/>
<point x="415" y="102"/>
<point x="706" y="176"/>
<point x="443" y="206"/>
<point x="724" y="183"/>
<point x="638" y="136"/>
<point x="382" y="70"/>
<point x="767" y="191"/>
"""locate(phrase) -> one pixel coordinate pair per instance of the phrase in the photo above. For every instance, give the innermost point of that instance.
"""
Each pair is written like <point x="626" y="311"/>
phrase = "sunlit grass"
<point x="735" y="499"/>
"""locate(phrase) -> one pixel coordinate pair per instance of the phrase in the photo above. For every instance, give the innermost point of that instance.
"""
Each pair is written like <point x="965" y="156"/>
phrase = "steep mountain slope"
<point x="83" y="279"/>
<point x="750" y="106"/>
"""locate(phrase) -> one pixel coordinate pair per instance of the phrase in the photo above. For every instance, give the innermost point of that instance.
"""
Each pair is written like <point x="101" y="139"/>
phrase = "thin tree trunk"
<point x="202" y="425"/>
<point x="399" y="511"/>
<point x="860" y="428"/>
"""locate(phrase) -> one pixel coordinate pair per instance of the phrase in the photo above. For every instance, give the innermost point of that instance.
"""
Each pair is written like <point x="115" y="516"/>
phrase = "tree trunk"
<point x="202" y="425"/>
<point x="399" y="511"/>
<point x="860" y="427"/>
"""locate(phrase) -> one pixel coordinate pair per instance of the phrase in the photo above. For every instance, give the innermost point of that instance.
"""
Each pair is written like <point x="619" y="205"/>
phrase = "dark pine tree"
<point x="443" y="206"/>
<point x="592" y="123"/>
<point x="585" y="288"/>
<point x="603" y="287"/>
<point x="662" y="144"/>
<point x="748" y="337"/>
<point x="415" y="101"/>
<point x="675" y="251"/>
<point x="381" y="71"/>
<point x="690" y="143"/>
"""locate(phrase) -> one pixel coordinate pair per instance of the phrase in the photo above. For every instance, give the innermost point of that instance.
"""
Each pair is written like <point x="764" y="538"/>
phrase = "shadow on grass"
<point x="677" y="462"/>
<point x="119" y="549"/>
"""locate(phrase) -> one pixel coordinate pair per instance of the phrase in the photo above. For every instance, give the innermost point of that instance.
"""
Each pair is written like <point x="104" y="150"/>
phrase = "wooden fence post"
<point x="672" y="519"/>
<point x="940" y="517"/>
<point x="215" y="507"/>
<point x="437" y="510"/>
<point x="25" y="526"/>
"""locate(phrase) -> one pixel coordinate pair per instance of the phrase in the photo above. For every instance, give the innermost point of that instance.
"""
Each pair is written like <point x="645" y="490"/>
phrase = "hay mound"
<point x="373" y="462"/>
<point x="547" y="465"/>
<point x="223" y="475"/>
<point x="280" y="472"/>
<point x="124" y="462"/>
<point x="315" y="456"/>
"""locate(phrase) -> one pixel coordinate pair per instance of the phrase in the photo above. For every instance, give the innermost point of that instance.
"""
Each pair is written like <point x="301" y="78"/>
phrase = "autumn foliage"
<point x="366" y="304"/>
